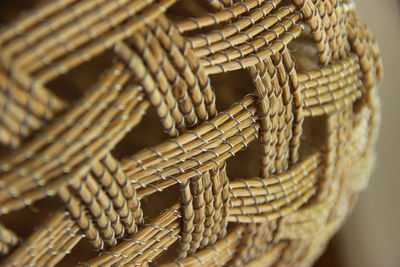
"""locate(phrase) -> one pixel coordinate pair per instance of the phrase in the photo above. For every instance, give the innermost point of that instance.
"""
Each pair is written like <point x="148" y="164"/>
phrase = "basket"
<point x="182" y="133"/>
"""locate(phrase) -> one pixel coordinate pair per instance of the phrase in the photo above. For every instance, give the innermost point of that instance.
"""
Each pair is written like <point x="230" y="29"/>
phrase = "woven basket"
<point x="221" y="132"/>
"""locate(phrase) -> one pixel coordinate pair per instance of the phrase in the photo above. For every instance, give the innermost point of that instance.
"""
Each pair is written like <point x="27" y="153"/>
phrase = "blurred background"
<point x="371" y="236"/>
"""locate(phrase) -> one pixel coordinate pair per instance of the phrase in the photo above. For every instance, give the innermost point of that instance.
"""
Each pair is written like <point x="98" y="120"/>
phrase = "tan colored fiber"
<point x="75" y="189"/>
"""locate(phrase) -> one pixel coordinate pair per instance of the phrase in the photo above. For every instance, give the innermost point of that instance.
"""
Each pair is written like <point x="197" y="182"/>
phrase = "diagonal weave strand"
<point x="312" y="113"/>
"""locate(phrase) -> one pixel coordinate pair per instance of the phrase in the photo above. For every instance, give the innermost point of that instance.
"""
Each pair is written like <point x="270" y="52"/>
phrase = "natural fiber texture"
<point x="72" y="169"/>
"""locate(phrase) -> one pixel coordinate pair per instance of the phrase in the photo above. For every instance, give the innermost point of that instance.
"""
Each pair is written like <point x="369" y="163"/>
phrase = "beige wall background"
<point x="371" y="237"/>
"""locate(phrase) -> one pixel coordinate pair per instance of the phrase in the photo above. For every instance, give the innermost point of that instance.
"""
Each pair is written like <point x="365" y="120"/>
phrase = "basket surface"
<point x="221" y="132"/>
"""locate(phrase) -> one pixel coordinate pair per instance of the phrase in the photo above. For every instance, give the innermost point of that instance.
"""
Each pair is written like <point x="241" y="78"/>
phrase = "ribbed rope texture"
<point x="138" y="167"/>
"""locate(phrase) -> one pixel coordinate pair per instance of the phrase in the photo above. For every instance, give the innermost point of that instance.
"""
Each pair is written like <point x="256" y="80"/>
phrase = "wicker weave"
<point x="298" y="79"/>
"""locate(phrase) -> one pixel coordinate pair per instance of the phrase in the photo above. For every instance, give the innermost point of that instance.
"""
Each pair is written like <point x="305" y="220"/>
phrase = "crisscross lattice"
<point x="312" y="113"/>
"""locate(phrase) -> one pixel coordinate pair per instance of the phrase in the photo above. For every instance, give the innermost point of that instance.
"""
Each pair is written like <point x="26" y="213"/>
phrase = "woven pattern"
<point x="311" y="114"/>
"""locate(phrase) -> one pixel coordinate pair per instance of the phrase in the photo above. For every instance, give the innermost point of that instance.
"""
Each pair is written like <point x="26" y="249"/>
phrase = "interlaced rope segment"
<point x="308" y="72"/>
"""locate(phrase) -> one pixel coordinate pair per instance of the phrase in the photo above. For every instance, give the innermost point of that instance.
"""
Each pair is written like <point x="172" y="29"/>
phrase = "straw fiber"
<point x="182" y="133"/>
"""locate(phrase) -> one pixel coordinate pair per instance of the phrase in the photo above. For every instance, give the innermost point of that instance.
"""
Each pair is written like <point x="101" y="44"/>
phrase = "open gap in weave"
<point x="187" y="9"/>
<point x="358" y="105"/>
<point x="314" y="135"/>
<point x="24" y="221"/>
<point x="148" y="133"/>
<point x="165" y="257"/>
<point x="12" y="9"/>
<point x="231" y="87"/>
<point x="304" y="51"/>
<point x="82" y="252"/>
<point x="194" y="9"/>
<point x="245" y="163"/>
<point x="154" y="204"/>
<point x="314" y="138"/>
<point x="72" y="85"/>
